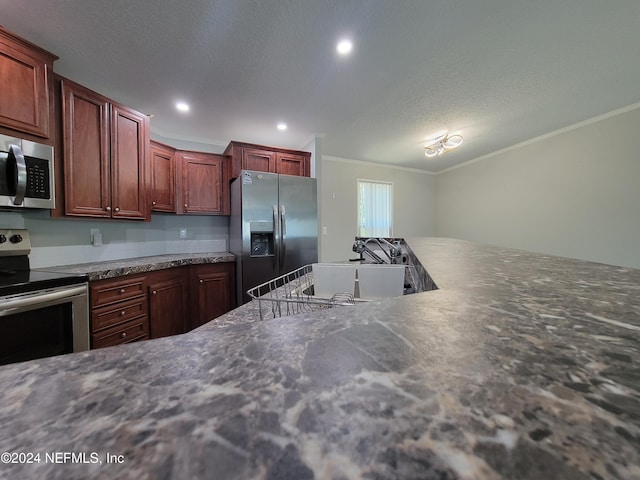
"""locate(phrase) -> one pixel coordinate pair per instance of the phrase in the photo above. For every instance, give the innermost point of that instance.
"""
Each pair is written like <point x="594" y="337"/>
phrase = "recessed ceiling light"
<point x="282" y="126"/>
<point x="182" y="107"/>
<point x="344" y="47"/>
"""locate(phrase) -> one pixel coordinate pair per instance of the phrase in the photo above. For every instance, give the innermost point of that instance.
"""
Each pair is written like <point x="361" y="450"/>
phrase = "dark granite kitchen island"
<point x="520" y="365"/>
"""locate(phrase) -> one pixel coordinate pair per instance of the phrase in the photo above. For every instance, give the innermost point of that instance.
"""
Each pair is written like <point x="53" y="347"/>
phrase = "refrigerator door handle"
<point x="283" y="237"/>
<point x="276" y="239"/>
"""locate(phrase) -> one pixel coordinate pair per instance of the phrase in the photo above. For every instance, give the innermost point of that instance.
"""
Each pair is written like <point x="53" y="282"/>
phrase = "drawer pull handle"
<point x="122" y="290"/>
<point x="124" y="334"/>
<point x="123" y="313"/>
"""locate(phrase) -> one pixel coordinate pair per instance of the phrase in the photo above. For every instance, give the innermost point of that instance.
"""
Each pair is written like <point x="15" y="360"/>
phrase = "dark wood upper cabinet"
<point x="260" y="160"/>
<point x="129" y="143"/>
<point x="104" y="156"/>
<point x="247" y="156"/>
<point x="25" y="71"/>
<point x="292" y="164"/>
<point x="86" y="152"/>
<point x="163" y="177"/>
<point x="205" y="186"/>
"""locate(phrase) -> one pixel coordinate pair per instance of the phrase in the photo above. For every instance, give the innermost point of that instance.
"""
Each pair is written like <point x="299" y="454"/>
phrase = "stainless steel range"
<point x="42" y="313"/>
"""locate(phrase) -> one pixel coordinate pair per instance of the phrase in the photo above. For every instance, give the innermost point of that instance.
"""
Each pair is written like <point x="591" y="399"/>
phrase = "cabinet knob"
<point x="123" y="313"/>
<point x="124" y="334"/>
<point x="201" y="281"/>
<point x="116" y="209"/>
<point x="154" y="202"/>
<point x="122" y="290"/>
<point x="108" y="209"/>
<point x="155" y="292"/>
<point x="185" y="205"/>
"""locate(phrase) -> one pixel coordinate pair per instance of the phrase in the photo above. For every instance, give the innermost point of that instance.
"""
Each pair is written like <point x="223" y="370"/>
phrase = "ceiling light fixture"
<point x="344" y="47"/>
<point x="442" y="144"/>
<point x="182" y="106"/>
<point x="282" y="126"/>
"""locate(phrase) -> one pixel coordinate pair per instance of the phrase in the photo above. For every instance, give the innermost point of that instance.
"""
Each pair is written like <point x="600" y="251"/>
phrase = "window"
<point x="374" y="208"/>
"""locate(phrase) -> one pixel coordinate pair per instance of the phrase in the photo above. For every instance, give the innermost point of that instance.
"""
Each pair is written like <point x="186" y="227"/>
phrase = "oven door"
<point x="44" y="323"/>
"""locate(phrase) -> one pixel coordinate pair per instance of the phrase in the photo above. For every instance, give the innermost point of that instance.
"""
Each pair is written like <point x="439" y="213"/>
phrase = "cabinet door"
<point x="129" y="139"/>
<point x="167" y="306"/>
<point x="258" y="160"/>
<point x="87" y="178"/>
<point x="163" y="178"/>
<point x="291" y="164"/>
<point x="213" y="287"/>
<point x="202" y="183"/>
<point x="24" y="71"/>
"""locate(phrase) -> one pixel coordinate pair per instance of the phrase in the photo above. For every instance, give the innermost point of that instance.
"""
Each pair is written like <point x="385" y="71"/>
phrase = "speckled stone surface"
<point x="129" y="266"/>
<point x="520" y="366"/>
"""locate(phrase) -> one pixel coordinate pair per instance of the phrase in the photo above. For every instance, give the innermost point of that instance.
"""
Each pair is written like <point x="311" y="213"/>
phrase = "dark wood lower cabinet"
<point x="168" y="306"/>
<point x="213" y="287"/>
<point x="160" y="303"/>
<point x="118" y="311"/>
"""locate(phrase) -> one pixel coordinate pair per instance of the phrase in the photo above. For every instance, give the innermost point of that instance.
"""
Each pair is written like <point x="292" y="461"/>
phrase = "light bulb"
<point x="344" y="47"/>
<point x="430" y="152"/>
<point x="182" y="106"/>
<point x="453" y="141"/>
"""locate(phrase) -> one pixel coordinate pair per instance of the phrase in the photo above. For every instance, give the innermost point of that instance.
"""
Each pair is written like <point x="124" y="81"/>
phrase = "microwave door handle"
<point x="21" y="174"/>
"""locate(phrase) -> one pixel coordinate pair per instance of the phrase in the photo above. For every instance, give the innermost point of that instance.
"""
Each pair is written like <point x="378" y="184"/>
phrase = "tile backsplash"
<point x="65" y="242"/>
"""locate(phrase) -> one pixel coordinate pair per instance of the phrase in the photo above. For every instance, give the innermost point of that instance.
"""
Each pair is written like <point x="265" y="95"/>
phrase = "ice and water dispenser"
<point x="262" y="242"/>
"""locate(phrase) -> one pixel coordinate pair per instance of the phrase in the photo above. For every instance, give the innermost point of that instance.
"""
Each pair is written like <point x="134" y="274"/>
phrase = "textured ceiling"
<point x="497" y="72"/>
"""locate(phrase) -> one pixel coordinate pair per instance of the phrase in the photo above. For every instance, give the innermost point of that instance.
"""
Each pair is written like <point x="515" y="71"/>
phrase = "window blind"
<point x="374" y="208"/>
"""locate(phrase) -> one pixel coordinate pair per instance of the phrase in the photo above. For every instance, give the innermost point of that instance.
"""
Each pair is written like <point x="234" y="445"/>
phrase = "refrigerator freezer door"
<point x="259" y="229"/>
<point x="299" y="222"/>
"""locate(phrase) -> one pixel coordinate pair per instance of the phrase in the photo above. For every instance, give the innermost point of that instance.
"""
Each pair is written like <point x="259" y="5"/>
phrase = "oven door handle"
<point x="40" y="300"/>
<point x="21" y="174"/>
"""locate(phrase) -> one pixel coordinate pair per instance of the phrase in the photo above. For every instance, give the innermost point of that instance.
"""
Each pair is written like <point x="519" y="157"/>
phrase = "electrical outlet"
<point x="96" y="237"/>
<point x="183" y="233"/>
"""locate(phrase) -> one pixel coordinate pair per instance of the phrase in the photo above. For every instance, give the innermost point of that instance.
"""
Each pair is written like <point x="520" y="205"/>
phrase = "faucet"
<point x="394" y="250"/>
<point x="360" y="246"/>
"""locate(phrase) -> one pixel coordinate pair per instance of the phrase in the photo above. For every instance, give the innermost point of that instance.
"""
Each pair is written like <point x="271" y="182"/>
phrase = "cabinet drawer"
<point x="117" y="313"/>
<point x="136" y="329"/>
<point x="104" y="293"/>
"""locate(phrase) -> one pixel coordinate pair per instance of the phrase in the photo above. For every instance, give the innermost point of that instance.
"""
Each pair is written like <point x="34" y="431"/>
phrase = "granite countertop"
<point x="520" y="366"/>
<point x="128" y="266"/>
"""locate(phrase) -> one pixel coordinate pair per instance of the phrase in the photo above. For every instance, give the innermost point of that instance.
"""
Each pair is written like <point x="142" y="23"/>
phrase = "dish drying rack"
<point x="292" y="293"/>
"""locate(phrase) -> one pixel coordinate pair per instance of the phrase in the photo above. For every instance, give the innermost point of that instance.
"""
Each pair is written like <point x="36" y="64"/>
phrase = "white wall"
<point x="413" y="203"/>
<point x="575" y="193"/>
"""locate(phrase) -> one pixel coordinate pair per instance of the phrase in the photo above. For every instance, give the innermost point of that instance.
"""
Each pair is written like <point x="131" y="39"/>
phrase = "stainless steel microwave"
<point x="26" y="174"/>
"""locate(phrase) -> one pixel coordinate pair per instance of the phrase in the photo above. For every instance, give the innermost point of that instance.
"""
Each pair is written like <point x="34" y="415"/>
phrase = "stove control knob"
<point x="15" y="238"/>
<point x="3" y="238"/>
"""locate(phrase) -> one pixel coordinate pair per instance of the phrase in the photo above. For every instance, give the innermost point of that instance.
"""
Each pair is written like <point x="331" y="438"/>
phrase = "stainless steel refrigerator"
<point x="273" y="227"/>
